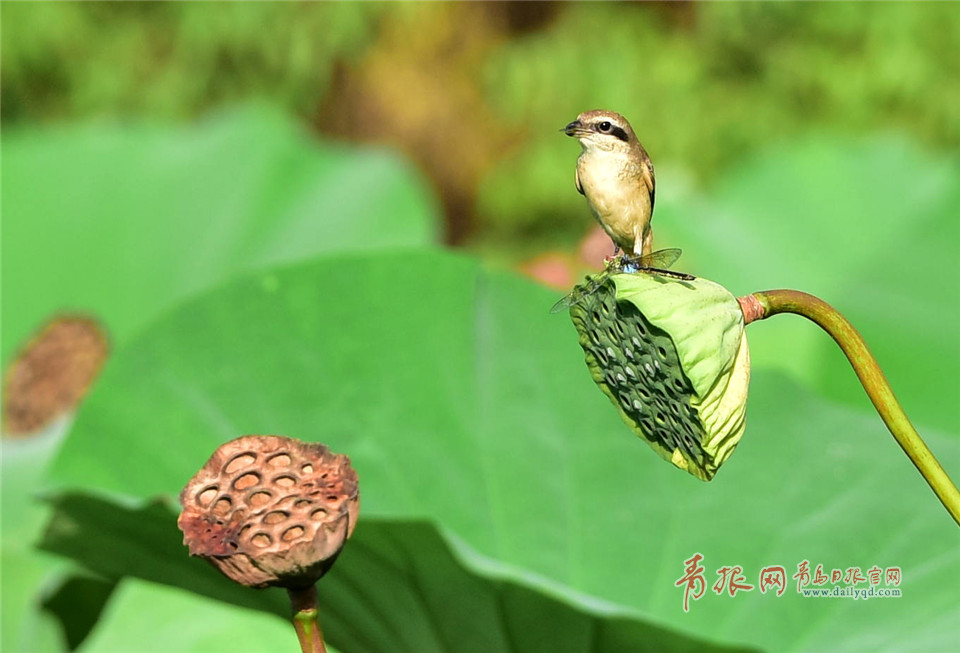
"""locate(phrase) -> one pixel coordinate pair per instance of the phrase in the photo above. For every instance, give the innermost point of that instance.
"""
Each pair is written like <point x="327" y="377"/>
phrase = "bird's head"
<point x="602" y="130"/>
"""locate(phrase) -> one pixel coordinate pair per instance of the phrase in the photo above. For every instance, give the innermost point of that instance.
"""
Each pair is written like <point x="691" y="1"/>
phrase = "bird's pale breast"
<point x="617" y="195"/>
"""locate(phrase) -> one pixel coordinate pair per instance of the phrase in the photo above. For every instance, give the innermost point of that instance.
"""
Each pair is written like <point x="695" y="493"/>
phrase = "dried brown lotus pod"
<point x="52" y="372"/>
<point x="269" y="510"/>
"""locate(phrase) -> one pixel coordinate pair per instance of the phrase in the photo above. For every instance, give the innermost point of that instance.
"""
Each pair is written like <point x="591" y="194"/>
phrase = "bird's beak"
<point x="572" y="128"/>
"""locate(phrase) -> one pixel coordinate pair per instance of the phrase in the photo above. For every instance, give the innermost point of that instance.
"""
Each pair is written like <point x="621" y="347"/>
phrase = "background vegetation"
<point x="475" y="92"/>
<point x="253" y="197"/>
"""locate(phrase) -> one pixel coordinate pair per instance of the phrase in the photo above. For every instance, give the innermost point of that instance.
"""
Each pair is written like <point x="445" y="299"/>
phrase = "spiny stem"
<point x="763" y="304"/>
<point x="306" y="619"/>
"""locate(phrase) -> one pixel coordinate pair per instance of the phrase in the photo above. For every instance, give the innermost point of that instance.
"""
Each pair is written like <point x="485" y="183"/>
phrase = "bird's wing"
<point x="577" y="178"/>
<point x="649" y="178"/>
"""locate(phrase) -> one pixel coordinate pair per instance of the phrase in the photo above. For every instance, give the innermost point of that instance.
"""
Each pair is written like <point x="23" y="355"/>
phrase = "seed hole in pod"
<point x="243" y="531"/>
<point x="307" y="468"/>
<point x="318" y="515"/>
<point x="259" y="499"/>
<point x="261" y="540"/>
<point x="662" y="352"/>
<point x="596" y="315"/>
<point x="222" y="506"/>
<point x="246" y="481"/>
<point x="624" y="401"/>
<point x="285" y="481"/>
<point x="302" y="504"/>
<point x="678" y="384"/>
<point x="643" y="393"/>
<point x="233" y="545"/>
<point x="332" y="497"/>
<point x="275" y="517"/>
<point x="207" y="494"/>
<point x="279" y="460"/>
<point x="660" y="419"/>
<point x="292" y="533"/>
<point x="240" y="461"/>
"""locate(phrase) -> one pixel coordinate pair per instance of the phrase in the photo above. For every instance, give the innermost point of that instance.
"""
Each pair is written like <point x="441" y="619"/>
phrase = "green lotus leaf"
<point x="672" y="356"/>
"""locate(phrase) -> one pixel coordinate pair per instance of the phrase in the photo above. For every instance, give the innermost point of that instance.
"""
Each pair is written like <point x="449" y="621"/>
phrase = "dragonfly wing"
<point x="563" y="304"/>
<point x="579" y="292"/>
<point x="662" y="258"/>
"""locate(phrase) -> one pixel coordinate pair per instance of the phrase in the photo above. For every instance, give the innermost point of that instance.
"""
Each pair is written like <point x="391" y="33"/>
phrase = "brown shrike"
<point x="615" y="174"/>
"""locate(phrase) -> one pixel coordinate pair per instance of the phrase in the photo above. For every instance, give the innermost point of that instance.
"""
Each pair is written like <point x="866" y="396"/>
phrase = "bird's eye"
<point x="604" y="126"/>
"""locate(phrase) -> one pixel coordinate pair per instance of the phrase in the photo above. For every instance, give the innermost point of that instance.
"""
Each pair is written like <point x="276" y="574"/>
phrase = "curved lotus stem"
<point x="763" y="304"/>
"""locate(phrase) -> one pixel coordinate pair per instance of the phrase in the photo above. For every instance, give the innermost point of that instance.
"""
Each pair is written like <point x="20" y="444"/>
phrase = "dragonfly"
<point x="655" y="263"/>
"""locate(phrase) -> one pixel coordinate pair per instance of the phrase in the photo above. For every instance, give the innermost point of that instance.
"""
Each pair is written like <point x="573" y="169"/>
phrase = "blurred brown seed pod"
<point x="268" y="510"/>
<point x="52" y="372"/>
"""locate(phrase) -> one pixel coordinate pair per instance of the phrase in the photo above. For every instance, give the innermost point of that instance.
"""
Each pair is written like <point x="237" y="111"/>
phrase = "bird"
<point x="615" y="174"/>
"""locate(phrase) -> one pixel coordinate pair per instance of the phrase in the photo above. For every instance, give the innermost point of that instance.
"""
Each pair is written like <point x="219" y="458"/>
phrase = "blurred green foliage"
<point x="705" y="84"/>
<point x="171" y="59"/>
<point x="233" y="193"/>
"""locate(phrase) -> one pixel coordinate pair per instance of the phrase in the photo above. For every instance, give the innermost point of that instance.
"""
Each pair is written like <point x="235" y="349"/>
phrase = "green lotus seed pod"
<point x="672" y="356"/>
